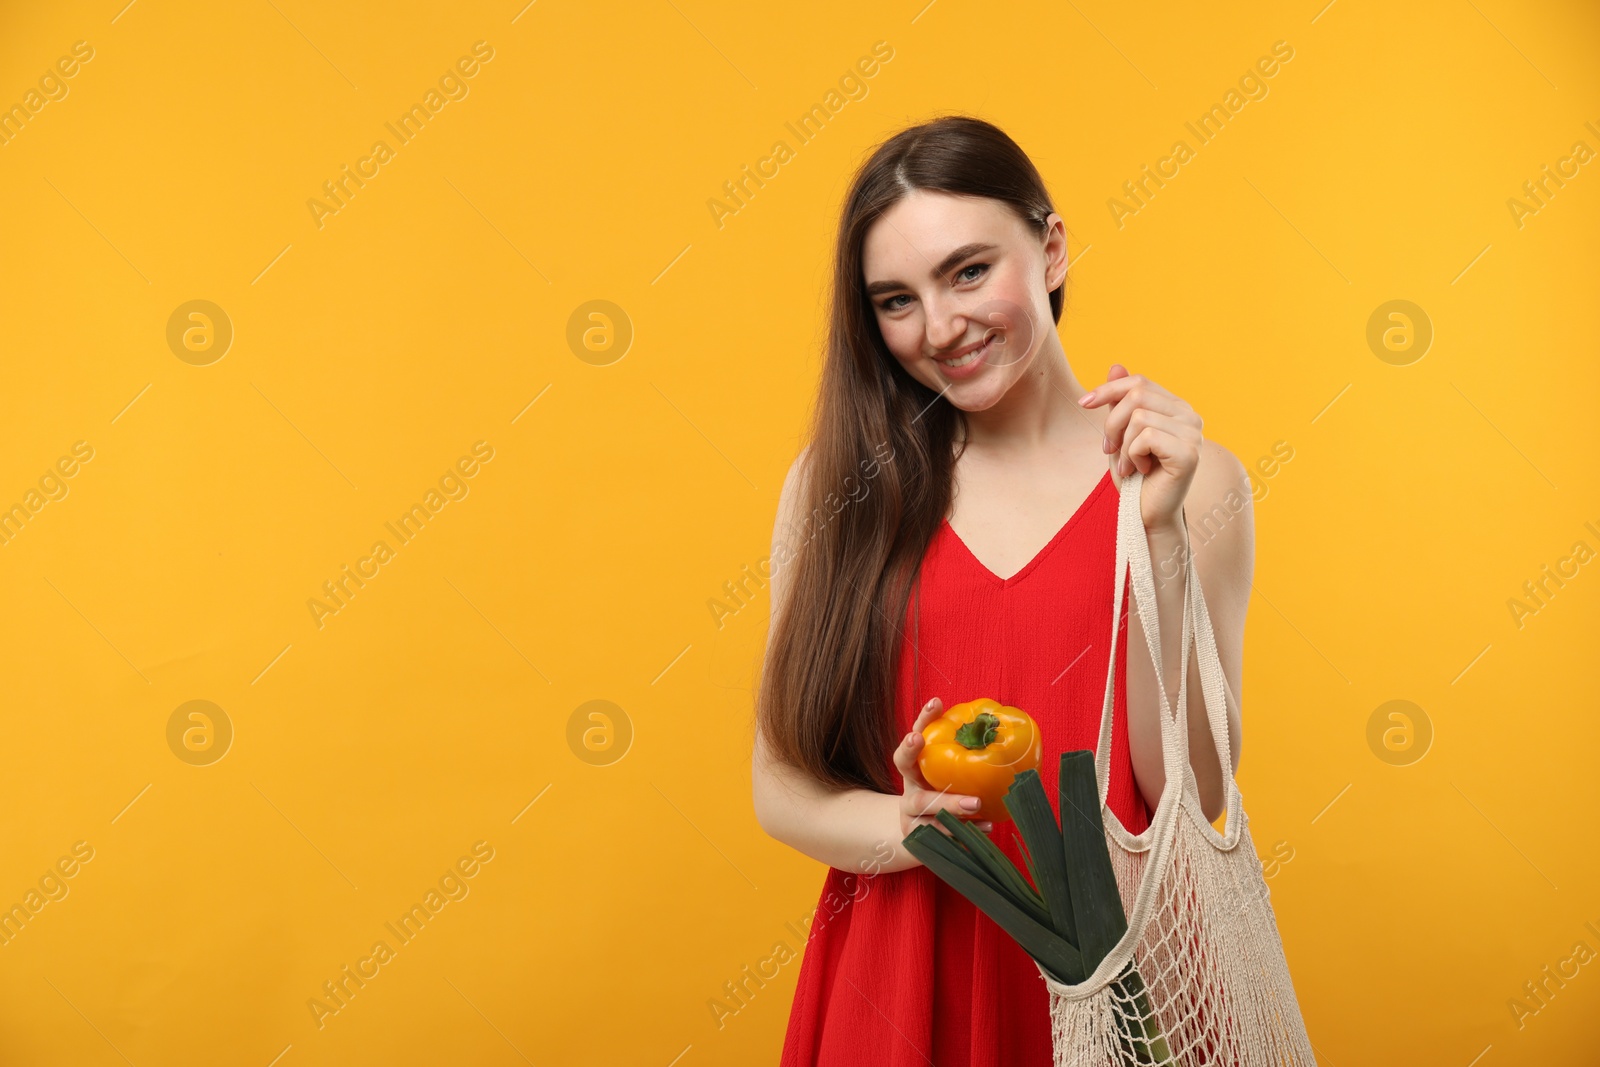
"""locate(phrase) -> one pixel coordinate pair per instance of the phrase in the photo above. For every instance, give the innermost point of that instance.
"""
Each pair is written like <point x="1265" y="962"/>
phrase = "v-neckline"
<point x="1038" y="556"/>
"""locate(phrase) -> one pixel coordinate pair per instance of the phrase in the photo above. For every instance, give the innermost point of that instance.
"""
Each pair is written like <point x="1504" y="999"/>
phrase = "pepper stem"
<point x="980" y="732"/>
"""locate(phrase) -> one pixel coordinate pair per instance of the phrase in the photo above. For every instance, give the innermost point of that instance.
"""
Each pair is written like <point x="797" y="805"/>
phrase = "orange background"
<point x="445" y="705"/>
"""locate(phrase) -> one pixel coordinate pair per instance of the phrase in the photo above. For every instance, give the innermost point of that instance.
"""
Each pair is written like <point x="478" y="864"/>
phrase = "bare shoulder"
<point x="786" y="528"/>
<point x="1219" y="510"/>
<point x="1218" y="474"/>
<point x="791" y="498"/>
<point x="792" y="482"/>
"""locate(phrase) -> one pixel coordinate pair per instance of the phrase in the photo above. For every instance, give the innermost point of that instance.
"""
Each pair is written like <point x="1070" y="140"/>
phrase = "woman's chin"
<point x="979" y="394"/>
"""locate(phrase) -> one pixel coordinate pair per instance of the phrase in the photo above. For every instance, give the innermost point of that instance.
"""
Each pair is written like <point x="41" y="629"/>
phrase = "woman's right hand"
<point x="920" y="802"/>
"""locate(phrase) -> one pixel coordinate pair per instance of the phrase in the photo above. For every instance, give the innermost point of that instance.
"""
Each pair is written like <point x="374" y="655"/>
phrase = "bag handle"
<point x="1213" y="682"/>
<point x="1133" y="556"/>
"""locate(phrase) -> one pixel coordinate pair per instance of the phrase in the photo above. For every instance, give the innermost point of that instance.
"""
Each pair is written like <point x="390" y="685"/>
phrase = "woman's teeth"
<point x="968" y="358"/>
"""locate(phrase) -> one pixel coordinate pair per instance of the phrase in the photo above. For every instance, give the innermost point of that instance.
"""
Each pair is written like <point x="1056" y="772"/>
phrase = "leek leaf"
<point x="1036" y="821"/>
<point x="1100" y="922"/>
<point x="1053" y="953"/>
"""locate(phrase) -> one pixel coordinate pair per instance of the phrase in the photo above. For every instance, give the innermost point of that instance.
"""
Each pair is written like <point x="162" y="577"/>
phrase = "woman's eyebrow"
<point x="938" y="272"/>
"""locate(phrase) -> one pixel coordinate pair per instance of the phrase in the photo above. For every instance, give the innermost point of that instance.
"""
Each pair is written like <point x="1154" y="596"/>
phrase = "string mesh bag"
<point x="1199" y="977"/>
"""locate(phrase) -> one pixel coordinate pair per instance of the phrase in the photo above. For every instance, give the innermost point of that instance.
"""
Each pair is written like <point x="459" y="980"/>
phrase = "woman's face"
<point x="955" y="277"/>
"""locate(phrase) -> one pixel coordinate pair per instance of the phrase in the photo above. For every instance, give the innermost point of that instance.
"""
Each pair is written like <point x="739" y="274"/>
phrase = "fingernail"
<point x="1086" y="397"/>
<point x="970" y="803"/>
<point x="1105" y="444"/>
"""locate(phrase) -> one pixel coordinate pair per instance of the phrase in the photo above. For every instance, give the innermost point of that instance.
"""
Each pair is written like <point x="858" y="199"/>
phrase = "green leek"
<point x="1069" y="916"/>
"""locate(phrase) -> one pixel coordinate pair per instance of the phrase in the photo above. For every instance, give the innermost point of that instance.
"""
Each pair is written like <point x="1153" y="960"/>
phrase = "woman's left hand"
<point x="1154" y="431"/>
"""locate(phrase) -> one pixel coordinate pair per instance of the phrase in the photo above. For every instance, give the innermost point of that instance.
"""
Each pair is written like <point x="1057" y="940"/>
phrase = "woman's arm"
<point x="1199" y="485"/>
<point x="851" y="829"/>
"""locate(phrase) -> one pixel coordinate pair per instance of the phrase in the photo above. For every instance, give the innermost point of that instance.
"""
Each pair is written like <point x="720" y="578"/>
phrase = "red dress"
<point x="899" y="969"/>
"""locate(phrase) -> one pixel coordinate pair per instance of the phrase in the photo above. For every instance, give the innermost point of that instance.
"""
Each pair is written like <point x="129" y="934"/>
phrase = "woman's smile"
<point x="967" y="365"/>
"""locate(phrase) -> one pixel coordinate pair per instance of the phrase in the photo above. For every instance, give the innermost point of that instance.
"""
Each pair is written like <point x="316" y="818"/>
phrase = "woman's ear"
<point x="1055" y="252"/>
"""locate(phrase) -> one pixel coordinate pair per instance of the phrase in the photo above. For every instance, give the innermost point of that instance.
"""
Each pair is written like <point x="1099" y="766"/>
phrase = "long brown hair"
<point x="878" y="476"/>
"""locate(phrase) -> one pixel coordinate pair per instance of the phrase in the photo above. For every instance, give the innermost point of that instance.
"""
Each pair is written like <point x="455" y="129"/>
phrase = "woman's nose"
<point x="947" y="323"/>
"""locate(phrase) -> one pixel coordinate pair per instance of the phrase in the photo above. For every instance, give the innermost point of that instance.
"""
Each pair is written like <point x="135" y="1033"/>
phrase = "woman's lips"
<point x="975" y="362"/>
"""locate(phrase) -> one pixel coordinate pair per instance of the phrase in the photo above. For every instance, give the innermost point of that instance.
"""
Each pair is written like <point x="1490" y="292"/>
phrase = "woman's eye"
<point x="962" y="275"/>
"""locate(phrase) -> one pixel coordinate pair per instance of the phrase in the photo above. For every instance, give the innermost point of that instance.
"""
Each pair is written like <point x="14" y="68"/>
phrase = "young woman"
<point x="948" y="534"/>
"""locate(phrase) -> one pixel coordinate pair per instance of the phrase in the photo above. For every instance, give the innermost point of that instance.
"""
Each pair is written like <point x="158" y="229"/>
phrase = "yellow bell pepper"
<point x="976" y="749"/>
